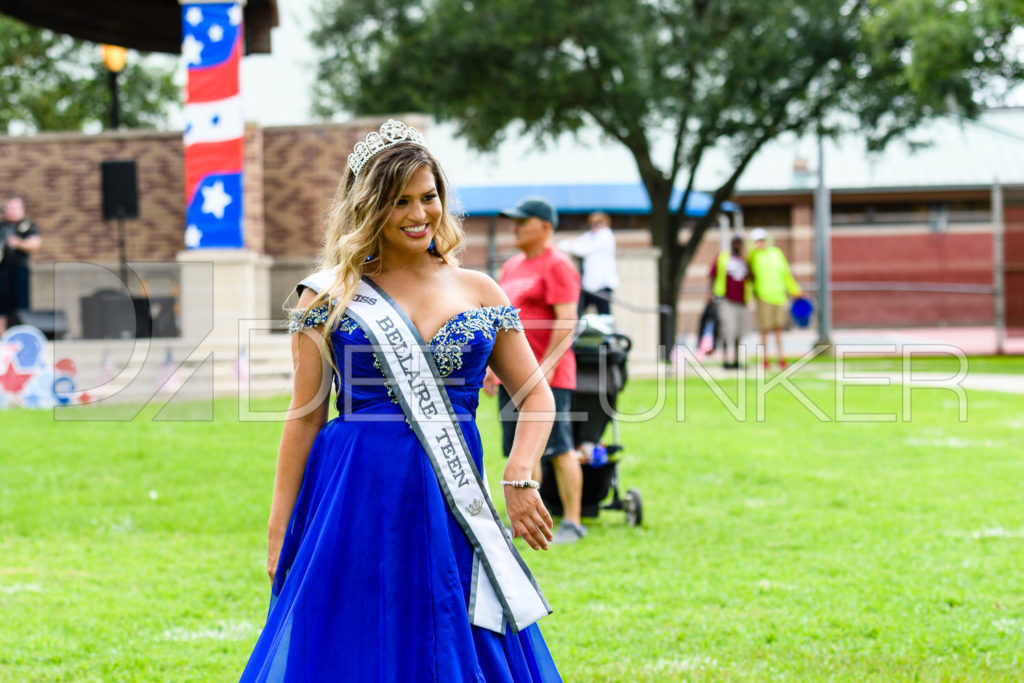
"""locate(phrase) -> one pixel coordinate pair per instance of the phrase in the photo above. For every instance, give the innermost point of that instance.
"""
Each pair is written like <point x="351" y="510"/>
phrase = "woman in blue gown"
<point x="371" y="573"/>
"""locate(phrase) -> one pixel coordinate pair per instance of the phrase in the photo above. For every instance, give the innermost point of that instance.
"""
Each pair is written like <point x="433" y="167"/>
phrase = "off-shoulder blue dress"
<point x="374" y="575"/>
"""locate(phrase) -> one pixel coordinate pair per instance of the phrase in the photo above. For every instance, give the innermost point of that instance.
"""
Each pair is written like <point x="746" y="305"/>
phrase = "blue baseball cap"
<point x="533" y="207"/>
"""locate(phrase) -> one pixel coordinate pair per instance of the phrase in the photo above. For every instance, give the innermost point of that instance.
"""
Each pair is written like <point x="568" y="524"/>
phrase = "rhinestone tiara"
<point x="391" y="133"/>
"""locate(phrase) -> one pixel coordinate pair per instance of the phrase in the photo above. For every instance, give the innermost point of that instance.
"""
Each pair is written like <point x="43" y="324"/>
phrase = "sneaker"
<point x="569" y="532"/>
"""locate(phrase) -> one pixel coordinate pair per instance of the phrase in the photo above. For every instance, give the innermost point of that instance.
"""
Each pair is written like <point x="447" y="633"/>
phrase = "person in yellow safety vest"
<point x="730" y="287"/>
<point x="773" y="286"/>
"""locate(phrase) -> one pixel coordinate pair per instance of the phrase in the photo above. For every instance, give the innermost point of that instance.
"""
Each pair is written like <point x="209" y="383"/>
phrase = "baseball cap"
<point x="758" y="234"/>
<point x="533" y="207"/>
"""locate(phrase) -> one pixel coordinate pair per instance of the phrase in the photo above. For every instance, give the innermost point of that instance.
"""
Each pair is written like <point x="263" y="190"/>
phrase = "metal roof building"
<point x="944" y="154"/>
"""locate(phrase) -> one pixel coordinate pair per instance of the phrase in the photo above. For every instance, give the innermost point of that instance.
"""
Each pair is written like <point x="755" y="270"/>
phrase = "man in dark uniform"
<point x="20" y="238"/>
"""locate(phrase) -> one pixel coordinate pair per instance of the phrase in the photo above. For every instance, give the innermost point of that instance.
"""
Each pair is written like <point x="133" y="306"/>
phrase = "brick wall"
<point x="290" y="180"/>
<point x="59" y="176"/>
<point x="1013" y="249"/>
<point x="253" y="228"/>
<point x="911" y="256"/>
<point x="302" y="168"/>
<point x="291" y="176"/>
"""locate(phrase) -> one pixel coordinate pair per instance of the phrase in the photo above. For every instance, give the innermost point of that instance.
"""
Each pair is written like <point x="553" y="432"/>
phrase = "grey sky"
<point x="276" y="87"/>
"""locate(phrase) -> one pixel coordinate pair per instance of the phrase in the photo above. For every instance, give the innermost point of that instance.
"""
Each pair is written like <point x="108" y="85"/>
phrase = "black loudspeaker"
<point x="120" y="191"/>
<point x="110" y="314"/>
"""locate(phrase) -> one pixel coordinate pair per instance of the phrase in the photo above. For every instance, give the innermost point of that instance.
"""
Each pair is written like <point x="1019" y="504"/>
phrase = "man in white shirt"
<point x="597" y="249"/>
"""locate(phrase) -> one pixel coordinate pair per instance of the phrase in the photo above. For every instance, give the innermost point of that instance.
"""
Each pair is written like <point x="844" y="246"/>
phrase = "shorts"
<point x="560" y="440"/>
<point x="771" y="316"/>
<point x="732" y="318"/>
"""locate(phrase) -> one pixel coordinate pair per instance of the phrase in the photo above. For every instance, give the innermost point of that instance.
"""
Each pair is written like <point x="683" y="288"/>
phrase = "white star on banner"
<point x="215" y="199"/>
<point x="194" y="16"/>
<point x="235" y="15"/>
<point x="191" y="50"/>
<point x="193" y="236"/>
<point x="216" y="32"/>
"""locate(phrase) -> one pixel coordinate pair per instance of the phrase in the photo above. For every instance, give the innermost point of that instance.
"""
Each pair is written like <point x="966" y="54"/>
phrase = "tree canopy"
<point x="50" y="81"/>
<point x="731" y="74"/>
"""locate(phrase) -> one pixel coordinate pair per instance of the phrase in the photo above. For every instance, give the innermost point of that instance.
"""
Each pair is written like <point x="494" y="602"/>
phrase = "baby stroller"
<point x="601" y="374"/>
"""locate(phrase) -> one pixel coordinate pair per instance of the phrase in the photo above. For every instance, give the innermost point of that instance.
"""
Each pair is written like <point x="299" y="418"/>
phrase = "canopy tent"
<point x="147" y="25"/>
<point x="614" y="198"/>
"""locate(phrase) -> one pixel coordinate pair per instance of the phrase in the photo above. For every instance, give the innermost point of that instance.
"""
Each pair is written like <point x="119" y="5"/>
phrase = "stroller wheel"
<point x="634" y="508"/>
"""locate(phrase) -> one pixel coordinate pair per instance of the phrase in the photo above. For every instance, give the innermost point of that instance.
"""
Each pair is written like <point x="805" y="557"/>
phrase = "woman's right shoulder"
<point x="306" y="297"/>
<point x="309" y="290"/>
<point x="317" y="282"/>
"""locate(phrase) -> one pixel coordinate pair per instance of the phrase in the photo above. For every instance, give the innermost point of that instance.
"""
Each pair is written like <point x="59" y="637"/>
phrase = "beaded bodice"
<point x="460" y="349"/>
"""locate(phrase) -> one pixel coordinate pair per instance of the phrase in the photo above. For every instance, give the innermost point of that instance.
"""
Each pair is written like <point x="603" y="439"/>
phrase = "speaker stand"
<point x="123" y="251"/>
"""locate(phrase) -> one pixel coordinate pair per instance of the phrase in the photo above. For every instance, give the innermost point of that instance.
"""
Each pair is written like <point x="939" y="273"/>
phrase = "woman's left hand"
<point x="529" y="518"/>
<point x="490" y="383"/>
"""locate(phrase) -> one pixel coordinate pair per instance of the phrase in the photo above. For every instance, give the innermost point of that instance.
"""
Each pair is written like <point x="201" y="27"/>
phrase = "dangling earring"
<point x="432" y="249"/>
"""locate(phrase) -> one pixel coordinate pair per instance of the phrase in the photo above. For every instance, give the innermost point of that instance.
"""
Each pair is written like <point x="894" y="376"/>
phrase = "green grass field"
<point x="784" y="549"/>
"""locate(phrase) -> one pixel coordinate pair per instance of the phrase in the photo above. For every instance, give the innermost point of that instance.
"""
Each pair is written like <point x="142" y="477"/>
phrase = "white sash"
<point x="505" y="589"/>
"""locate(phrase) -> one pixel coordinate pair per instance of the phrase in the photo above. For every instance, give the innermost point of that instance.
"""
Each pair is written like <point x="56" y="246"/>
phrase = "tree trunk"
<point x="672" y="264"/>
<point x="670" y="272"/>
<point x="664" y="229"/>
<point x="676" y="258"/>
<point x="664" y="236"/>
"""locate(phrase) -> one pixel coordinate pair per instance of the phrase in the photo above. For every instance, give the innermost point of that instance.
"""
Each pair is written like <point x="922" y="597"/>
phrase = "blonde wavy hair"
<point x="355" y="222"/>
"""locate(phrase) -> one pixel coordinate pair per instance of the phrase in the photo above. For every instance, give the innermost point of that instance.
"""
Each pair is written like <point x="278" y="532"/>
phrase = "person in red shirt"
<point x="730" y="285"/>
<point x="543" y="284"/>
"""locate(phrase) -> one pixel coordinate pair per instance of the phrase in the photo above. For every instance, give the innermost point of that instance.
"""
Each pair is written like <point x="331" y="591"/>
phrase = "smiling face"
<point x="414" y="215"/>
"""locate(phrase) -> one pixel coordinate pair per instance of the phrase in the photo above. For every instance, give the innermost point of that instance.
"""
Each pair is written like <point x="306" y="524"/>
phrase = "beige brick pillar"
<point x="219" y="287"/>
<point x="799" y="242"/>
<point x="638" y="285"/>
<point x="220" y="290"/>
<point x="253" y="226"/>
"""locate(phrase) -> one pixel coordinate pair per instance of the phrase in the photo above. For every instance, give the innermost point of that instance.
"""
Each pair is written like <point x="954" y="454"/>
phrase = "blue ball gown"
<point x="373" y="579"/>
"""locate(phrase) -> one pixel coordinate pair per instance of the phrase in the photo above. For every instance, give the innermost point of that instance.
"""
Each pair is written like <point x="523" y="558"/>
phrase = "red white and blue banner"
<point x="212" y="45"/>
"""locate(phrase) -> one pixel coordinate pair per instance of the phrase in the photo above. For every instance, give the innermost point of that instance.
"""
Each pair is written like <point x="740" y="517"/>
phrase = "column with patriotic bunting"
<point x="212" y="46"/>
<point x="223" y="278"/>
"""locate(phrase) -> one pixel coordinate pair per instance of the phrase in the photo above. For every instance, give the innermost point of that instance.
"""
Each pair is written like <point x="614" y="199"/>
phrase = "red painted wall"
<point x="912" y="258"/>
<point x="1013" y="259"/>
